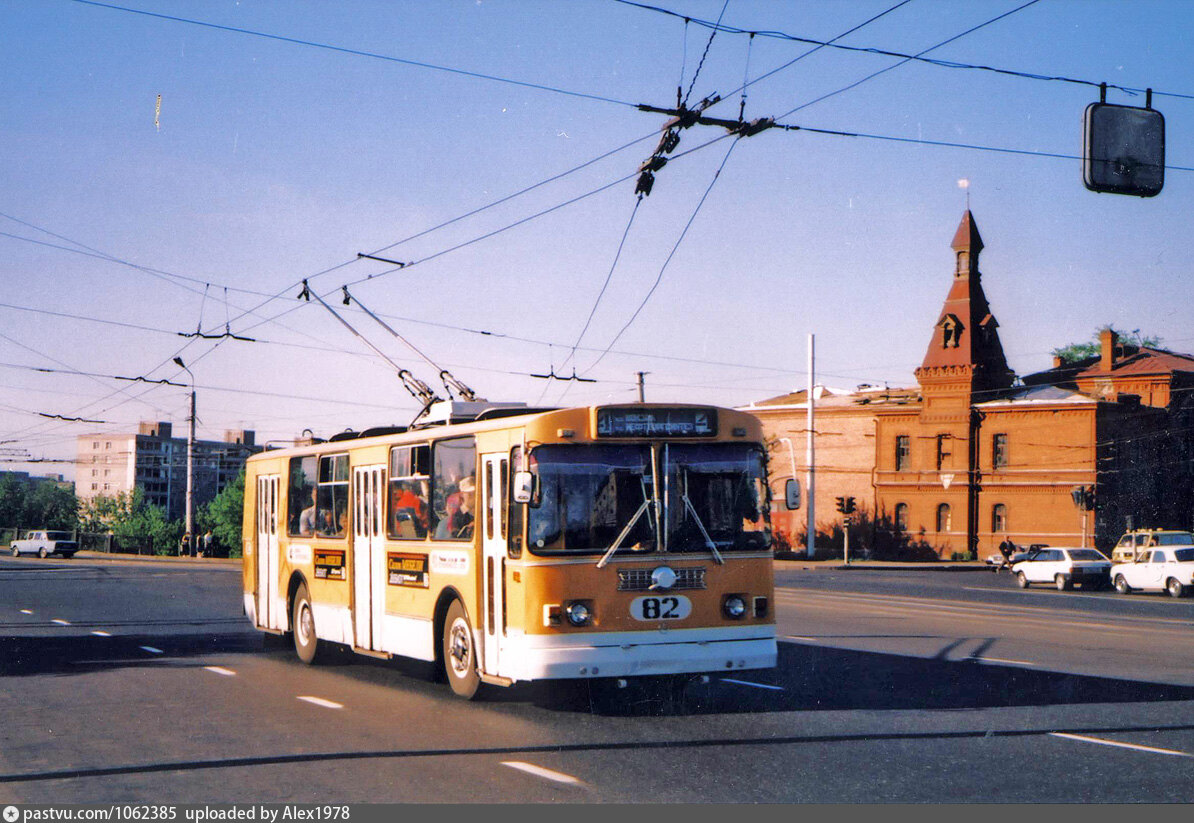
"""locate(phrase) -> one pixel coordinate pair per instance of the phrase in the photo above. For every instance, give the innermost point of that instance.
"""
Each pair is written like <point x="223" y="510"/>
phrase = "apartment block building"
<point x="155" y="461"/>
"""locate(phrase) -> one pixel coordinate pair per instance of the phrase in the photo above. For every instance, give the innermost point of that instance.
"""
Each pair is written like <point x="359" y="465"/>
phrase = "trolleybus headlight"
<point x="734" y="606"/>
<point x="579" y="613"/>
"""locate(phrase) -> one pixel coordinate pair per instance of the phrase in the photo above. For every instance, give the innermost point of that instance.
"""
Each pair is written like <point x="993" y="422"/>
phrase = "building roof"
<point x="826" y="396"/>
<point x="1039" y="394"/>
<point x="966" y="332"/>
<point x="967" y="238"/>
<point x="1140" y="361"/>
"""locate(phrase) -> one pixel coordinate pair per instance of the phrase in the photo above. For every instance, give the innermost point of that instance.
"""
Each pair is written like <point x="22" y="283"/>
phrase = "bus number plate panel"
<point x="662" y="607"/>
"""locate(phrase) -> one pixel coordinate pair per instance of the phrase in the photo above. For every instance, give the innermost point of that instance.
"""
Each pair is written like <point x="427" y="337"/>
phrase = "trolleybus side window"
<point x="454" y="488"/>
<point x="332" y="496"/>
<point x="410" y="482"/>
<point x="317" y="496"/>
<point x="300" y="496"/>
<point x="514" y="510"/>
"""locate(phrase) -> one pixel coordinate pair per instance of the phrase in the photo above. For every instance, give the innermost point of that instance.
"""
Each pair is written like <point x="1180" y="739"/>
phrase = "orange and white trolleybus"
<point x="510" y="544"/>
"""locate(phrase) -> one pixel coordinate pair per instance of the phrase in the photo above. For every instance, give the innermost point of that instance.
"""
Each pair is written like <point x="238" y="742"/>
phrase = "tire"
<point x="15" y="551"/>
<point x="1022" y="579"/>
<point x="460" y="653"/>
<point x="1061" y="582"/>
<point x="42" y="553"/>
<point x="302" y="621"/>
<point x="1121" y="585"/>
<point x="1174" y="587"/>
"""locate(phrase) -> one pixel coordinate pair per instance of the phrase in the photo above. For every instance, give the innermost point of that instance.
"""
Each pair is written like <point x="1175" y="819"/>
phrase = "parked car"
<point x="997" y="560"/>
<point x="1064" y="567"/>
<point x="1137" y="543"/>
<point x="1169" y="569"/>
<point x="45" y="543"/>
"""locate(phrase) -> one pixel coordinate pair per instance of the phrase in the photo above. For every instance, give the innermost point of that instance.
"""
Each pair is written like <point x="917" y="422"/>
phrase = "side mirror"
<point x="792" y="494"/>
<point x="524" y="487"/>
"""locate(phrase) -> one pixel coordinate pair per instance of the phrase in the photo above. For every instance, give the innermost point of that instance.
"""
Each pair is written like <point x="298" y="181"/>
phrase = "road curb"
<point x="159" y="558"/>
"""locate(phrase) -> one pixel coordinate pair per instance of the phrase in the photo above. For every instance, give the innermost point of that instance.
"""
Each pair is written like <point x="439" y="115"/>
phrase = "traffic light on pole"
<point x="849" y="505"/>
<point x="841" y="504"/>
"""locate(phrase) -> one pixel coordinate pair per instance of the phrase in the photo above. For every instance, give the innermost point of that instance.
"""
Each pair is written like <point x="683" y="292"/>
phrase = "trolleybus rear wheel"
<point x="306" y="644"/>
<point x="459" y="650"/>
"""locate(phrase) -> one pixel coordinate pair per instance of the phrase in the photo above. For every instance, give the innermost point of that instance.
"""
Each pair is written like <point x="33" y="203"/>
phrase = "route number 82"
<point x="666" y="607"/>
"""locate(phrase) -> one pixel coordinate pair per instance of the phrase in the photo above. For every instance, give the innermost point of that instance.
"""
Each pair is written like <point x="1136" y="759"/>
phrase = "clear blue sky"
<point x="274" y="160"/>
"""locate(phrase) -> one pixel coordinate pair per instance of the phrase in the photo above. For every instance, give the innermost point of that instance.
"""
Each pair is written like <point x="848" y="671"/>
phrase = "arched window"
<point x="998" y="518"/>
<point x="943" y="519"/>
<point x="901" y="517"/>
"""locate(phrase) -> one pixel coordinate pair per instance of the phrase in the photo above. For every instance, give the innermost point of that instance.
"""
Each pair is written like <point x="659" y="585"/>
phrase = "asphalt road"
<point x="141" y="682"/>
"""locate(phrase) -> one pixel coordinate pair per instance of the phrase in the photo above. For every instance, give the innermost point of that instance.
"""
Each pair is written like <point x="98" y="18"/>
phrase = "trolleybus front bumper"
<point x="630" y="654"/>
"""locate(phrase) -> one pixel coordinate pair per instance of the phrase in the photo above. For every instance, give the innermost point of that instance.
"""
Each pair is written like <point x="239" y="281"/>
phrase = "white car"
<point x="1169" y="569"/>
<point x="43" y="544"/>
<point x="1063" y="567"/>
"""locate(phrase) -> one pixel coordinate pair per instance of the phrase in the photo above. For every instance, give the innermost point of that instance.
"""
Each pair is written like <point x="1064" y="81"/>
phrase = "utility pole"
<point x="642" y="389"/>
<point x="190" y="516"/>
<point x="811" y="542"/>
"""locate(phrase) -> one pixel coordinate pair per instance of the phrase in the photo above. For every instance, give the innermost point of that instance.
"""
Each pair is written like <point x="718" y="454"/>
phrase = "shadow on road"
<point x="74" y="654"/>
<point x="807" y="678"/>
<point x="814" y="678"/>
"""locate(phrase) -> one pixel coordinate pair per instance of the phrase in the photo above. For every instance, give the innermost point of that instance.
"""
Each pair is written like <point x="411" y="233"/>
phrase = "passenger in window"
<point x="408" y="511"/>
<point x="308" y="518"/>
<point x="327" y="523"/>
<point x="458" y="515"/>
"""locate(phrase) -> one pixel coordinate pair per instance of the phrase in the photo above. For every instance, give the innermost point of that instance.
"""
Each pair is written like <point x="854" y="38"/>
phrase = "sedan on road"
<point x="45" y="543"/>
<point x="1063" y="567"/>
<point x="1164" y="569"/>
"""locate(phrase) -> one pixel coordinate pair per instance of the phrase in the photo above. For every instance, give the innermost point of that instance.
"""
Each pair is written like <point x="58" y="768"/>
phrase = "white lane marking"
<point x="802" y="637"/>
<point x="748" y="683"/>
<point x="220" y="670"/>
<point x="1119" y="745"/>
<point x="98" y="633"/>
<point x="60" y="622"/>
<point x="978" y="659"/>
<point x="152" y="650"/>
<point x="539" y="771"/>
<point x="26" y="611"/>
<point x="319" y="701"/>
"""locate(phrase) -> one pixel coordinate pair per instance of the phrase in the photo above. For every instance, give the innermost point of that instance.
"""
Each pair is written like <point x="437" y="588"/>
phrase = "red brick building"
<point x="974" y="454"/>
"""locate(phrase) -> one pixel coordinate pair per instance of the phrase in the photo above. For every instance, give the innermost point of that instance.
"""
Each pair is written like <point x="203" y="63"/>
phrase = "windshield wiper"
<point x="622" y="536"/>
<point x="705" y="534"/>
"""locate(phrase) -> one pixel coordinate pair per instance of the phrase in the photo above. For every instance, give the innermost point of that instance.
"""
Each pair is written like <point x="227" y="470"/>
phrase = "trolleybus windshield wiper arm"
<point x="697" y="518"/>
<point x="622" y="536"/>
<point x="708" y="540"/>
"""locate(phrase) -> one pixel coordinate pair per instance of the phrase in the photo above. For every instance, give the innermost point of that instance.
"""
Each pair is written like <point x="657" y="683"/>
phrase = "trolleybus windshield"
<point x="591" y="498"/>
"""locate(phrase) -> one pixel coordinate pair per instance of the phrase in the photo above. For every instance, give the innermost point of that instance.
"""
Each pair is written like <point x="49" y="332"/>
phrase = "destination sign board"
<point x="656" y="422"/>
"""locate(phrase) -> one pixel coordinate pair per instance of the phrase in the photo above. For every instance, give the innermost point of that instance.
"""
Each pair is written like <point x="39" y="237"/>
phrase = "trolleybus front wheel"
<point x="459" y="651"/>
<point x="306" y="644"/>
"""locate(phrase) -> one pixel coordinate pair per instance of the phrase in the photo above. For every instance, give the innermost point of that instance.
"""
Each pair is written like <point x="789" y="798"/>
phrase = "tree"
<point x="133" y="522"/>
<point x="36" y="505"/>
<point x="53" y="507"/>
<point x="1077" y="352"/>
<point x="224" y="515"/>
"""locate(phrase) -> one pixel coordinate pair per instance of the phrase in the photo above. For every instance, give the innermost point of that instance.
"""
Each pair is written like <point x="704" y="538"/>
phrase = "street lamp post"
<point x="190" y="516"/>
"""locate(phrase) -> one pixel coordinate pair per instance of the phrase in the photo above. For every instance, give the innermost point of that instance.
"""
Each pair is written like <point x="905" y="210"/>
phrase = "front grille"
<point x="639" y="580"/>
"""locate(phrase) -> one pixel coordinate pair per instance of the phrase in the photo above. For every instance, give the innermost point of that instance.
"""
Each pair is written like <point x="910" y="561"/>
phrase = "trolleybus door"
<point x="493" y="547"/>
<point x="368" y="556"/>
<point x="269" y="603"/>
